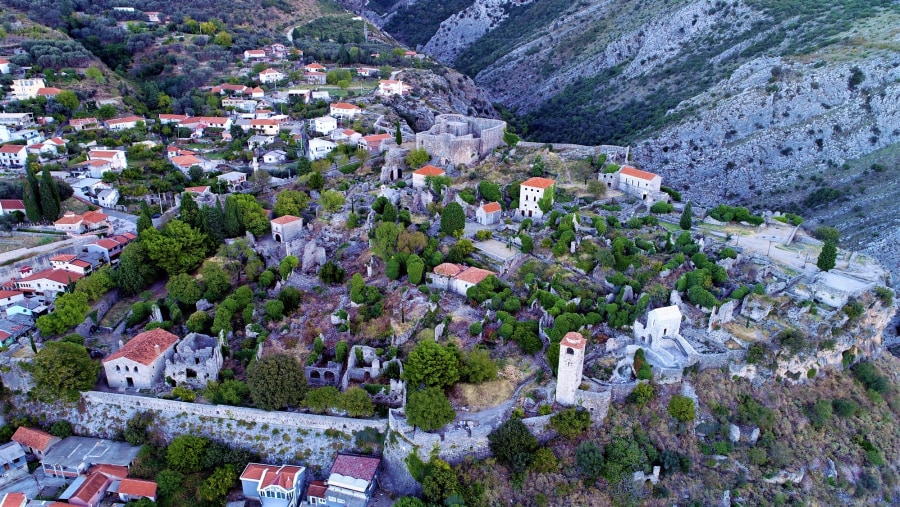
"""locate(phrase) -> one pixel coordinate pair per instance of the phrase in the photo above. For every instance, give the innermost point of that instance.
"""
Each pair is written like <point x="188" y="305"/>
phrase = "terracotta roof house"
<point x="13" y="155"/>
<point x="110" y="247"/>
<point x="48" y="280"/>
<point x="204" y="190"/>
<point x="140" y="363"/>
<point x="272" y="485"/>
<point x="116" y="158"/>
<point x="286" y="228"/>
<point x="10" y="205"/>
<point x="271" y="76"/>
<point x="117" y="472"/>
<point x="375" y="142"/>
<point x="314" y="67"/>
<point x="488" y="214"/>
<point x="185" y="162"/>
<point x="456" y="278"/>
<point x="531" y="191"/>
<point x="48" y="92"/>
<point x="78" y="224"/>
<point x="84" y="123"/>
<point x="135" y="489"/>
<point x="254" y="53"/>
<point x="344" y="110"/>
<point x="265" y="126"/>
<point x="90" y="492"/>
<point x="419" y="175"/>
<point x="315" y="493"/>
<point x="126" y="122"/>
<point x="352" y="479"/>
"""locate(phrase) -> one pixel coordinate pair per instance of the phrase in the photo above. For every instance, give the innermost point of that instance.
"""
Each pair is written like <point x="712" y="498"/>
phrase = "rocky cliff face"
<point x="465" y="27"/>
<point x="443" y="91"/>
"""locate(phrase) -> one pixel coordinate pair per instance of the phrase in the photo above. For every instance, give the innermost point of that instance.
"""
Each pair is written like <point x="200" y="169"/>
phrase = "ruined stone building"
<point x="571" y="367"/>
<point x="456" y="139"/>
<point x="197" y="360"/>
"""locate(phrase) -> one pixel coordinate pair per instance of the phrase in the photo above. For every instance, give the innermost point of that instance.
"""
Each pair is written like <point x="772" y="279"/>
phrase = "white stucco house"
<point x="140" y="363"/>
<point x="419" y="176"/>
<point x="286" y="228"/>
<point x="271" y="76"/>
<point x="320" y="148"/>
<point x="488" y="214"/>
<point x="323" y="125"/>
<point x="531" y="191"/>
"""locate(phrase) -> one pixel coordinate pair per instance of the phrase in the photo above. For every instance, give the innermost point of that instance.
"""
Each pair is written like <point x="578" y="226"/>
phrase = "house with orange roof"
<point x="24" y="89"/>
<point x="4" y="66"/>
<point x="14" y="500"/>
<point x="345" y="135"/>
<point x="140" y="363"/>
<point x="185" y="162"/>
<point x="135" y="489"/>
<point x="165" y="119"/>
<point x="199" y="191"/>
<point x="352" y="480"/>
<point x="10" y="205"/>
<point x="314" y="67"/>
<point x="116" y="158"/>
<point x="123" y="123"/>
<point x="35" y="442"/>
<point x="265" y="126"/>
<point x="420" y="176"/>
<point x="48" y="280"/>
<point x="271" y="76"/>
<point x="48" y="91"/>
<point x="456" y="278"/>
<point x="644" y="185"/>
<point x="375" y="143"/>
<point x="272" y="485"/>
<point x="90" y="221"/>
<point x="531" y="191"/>
<point x="13" y="155"/>
<point x="286" y="228"/>
<point x="89" y="492"/>
<point x="344" y="110"/>
<point x="10" y="297"/>
<point x="254" y="54"/>
<point x="488" y="214"/>
<point x="110" y="247"/>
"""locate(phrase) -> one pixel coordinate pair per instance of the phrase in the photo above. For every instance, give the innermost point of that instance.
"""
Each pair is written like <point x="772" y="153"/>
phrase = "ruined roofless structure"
<point x="456" y="139"/>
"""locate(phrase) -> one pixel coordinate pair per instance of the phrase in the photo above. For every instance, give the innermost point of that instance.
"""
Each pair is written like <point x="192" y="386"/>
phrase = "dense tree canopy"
<point x="61" y="369"/>
<point x="431" y="364"/>
<point x="276" y="382"/>
<point x="429" y="409"/>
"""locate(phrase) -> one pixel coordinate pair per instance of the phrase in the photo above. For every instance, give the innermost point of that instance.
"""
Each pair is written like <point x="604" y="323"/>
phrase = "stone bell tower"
<point x="571" y="365"/>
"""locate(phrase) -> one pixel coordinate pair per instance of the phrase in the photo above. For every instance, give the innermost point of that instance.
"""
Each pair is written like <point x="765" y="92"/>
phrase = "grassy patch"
<point x="484" y="395"/>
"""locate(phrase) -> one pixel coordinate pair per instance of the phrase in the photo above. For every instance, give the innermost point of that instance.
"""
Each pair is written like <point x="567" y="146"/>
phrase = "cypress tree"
<point x="827" y="257"/>
<point x="687" y="220"/>
<point x="31" y="197"/>
<point x="189" y="213"/>
<point x="144" y="221"/>
<point x="213" y="223"/>
<point x="233" y="226"/>
<point x="49" y="196"/>
<point x="398" y="136"/>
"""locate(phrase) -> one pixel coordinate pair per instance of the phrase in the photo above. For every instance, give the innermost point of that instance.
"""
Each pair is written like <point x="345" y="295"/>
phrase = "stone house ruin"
<point x="456" y="139"/>
<point x="328" y="375"/>
<point x="197" y="360"/>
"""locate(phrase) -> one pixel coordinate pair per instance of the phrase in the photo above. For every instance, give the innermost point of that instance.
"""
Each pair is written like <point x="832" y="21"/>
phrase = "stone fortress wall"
<point x="456" y="139"/>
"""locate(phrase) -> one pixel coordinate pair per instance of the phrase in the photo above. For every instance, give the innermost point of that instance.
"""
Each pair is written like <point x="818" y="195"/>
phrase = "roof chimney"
<point x="156" y="348"/>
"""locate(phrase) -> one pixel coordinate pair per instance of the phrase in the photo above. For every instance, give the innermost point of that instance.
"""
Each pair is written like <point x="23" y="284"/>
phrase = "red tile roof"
<point x="95" y="483"/>
<point x="12" y="148"/>
<point x="112" y="471"/>
<point x="317" y="489"/>
<point x="474" y="275"/>
<point x="35" y="439"/>
<point x="637" y="173"/>
<point x="107" y="243"/>
<point x="344" y="105"/>
<point x="94" y="217"/>
<point x="264" y="121"/>
<point x="60" y="276"/>
<point x="12" y="204"/>
<point x="103" y="153"/>
<point x="430" y="170"/>
<point x="186" y="161"/>
<point x="137" y="487"/>
<point x="63" y="258"/>
<point x="254" y="471"/>
<point x="314" y="66"/>
<point x="538" y="183"/>
<point x="357" y="467"/>
<point x="282" y="477"/>
<point x="573" y="340"/>
<point x="286" y="219"/>
<point x="491" y="207"/>
<point x="49" y="91"/>
<point x="124" y="119"/>
<point x="142" y="348"/>
<point x="197" y="190"/>
<point x="9" y="293"/>
<point x="448" y="269"/>
<point x="14" y="500"/>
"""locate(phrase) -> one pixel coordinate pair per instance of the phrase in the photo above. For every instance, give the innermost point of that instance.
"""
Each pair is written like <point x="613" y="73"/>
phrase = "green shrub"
<point x="661" y="208"/>
<point x="571" y="422"/>
<point x="682" y="408"/>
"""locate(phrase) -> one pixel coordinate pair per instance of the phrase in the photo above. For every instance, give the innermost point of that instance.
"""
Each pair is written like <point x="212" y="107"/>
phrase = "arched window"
<point x="570" y="351"/>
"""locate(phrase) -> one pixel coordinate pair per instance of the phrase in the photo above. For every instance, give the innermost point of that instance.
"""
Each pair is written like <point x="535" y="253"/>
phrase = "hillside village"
<point x="292" y="294"/>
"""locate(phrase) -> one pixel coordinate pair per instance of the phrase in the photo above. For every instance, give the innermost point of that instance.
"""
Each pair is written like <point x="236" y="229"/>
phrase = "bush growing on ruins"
<point x="527" y="243"/>
<point x="136" y="428"/>
<point x="332" y="273"/>
<point x="184" y="394"/>
<point x="432" y="365"/>
<point x="682" y="408"/>
<point x="185" y="453"/>
<point x="198" y="322"/>
<point x="571" y="422"/>
<point x="392" y="268"/>
<point x="415" y="269"/>
<point x="229" y="392"/>
<point x="589" y="459"/>
<point x="331" y="200"/>
<point x="490" y="192"/>
<point x="699" y="296"/>
<point x="61" y="370"/>
<point x="626" y="454"/>
<point x="513" y="445"/>
<point x="885" y="294"/>
<point x="341" y="351"/>
<point x="290" y="296"/>
<point x="276" y="381"/>
<point x="429" y="409"/>
<point x="417" y="158"/>
<point x="854" y="309"/>
<point x="825" y="234"/>
<point x="290" y="202"/>
<point x="287" y="266"/>
<point x="477" y="366"/>
<point x="356" y="402"/>
<point x="661" y="208"/>
<point x="793" y="341"/>
<point x="642" y="395"/>
<point x="61" y="429"/>
<point x="321" y="399"/>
